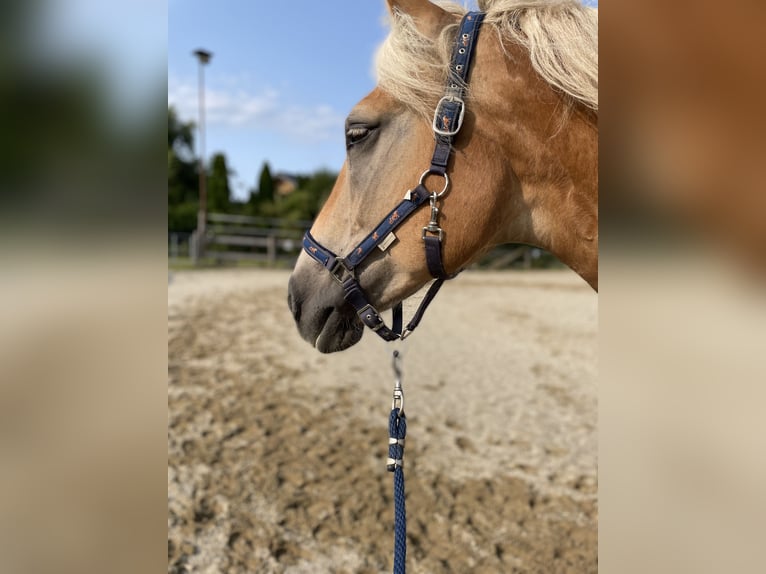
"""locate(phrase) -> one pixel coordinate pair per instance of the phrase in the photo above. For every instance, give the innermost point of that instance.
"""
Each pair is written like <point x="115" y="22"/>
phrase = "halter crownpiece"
<point x="448" y="119"/>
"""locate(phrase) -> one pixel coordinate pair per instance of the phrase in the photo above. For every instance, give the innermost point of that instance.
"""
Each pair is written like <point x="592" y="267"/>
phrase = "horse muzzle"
<point x="324" y="319"/>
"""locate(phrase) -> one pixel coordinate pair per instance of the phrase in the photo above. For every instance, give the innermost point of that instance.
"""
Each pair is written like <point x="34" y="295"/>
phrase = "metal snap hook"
<point x="433" y="224"/>
<point x="398" y="398"/>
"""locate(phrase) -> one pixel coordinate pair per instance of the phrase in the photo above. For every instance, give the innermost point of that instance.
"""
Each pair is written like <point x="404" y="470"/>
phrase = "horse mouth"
<point x="324" y="319"/>
<point x="337" y="332"/>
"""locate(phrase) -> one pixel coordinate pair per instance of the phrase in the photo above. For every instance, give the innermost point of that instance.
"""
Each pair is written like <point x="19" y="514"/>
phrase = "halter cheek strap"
<point x="448" y="119"/>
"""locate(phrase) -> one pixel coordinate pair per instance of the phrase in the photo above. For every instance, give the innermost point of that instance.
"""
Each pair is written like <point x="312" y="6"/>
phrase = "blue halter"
<point x="448" y="119"/>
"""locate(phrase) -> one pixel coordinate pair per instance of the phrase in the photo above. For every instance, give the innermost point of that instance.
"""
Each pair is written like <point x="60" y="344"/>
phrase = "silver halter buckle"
<point x="451" y="130"/>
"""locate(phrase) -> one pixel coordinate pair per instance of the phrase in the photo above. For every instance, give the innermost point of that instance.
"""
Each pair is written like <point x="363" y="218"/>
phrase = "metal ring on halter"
<point x="428" y="172"/>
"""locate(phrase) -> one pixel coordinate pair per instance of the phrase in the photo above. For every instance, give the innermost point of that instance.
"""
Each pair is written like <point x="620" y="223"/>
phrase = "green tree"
<point x="263" y="199"/>
<point x="218" y="191"/>
<point x="318" y="188"/>
<point x="266" y="189"/>
<point x="306" y="201"/>
<point x="183" y="178"/>
<point x="180" y="134"/>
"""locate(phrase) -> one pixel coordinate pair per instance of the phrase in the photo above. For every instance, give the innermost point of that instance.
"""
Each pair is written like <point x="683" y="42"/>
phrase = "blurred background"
<point x="681" y="306"/>
<point x="86" y="235"/>
<point x="82" y="285"/>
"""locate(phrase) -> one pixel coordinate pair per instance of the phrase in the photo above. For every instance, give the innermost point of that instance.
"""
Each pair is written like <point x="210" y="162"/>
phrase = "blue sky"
<point x="282" y="79"/>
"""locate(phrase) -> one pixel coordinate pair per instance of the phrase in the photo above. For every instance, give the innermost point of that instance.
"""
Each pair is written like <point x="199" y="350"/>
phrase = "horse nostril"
<point x="325" y="316"/>
<point x="295" y="307"/>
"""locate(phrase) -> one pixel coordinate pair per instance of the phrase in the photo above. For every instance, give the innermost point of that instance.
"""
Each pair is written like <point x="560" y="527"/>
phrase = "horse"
<point x="523" y="168"/>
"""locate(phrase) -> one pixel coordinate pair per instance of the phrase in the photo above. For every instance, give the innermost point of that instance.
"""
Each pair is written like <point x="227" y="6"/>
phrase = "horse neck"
<point x="557" y="209"/>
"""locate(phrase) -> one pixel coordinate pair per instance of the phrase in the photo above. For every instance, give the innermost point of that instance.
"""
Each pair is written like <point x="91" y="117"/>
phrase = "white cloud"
<point x="264" y="110"/>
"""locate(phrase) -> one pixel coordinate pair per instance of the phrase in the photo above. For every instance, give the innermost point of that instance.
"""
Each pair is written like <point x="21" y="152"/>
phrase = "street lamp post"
<point x="203" y="57"/>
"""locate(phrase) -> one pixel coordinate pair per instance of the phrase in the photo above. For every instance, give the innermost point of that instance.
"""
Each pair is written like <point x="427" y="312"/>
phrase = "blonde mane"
<point x="561" y="37"/>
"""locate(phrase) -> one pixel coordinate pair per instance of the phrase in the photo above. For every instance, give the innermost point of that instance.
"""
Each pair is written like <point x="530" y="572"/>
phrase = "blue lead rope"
<point x="397" y="431"/>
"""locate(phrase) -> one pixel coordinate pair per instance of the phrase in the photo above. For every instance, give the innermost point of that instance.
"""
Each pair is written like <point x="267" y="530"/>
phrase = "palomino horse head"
<point x="523" y="167"/>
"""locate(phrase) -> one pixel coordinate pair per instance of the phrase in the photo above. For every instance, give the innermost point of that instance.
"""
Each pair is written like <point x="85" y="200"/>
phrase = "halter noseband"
<point x="448" y="119"/>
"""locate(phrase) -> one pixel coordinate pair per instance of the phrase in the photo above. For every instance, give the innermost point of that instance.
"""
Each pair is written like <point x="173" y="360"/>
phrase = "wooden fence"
<point x="239" y="237"/>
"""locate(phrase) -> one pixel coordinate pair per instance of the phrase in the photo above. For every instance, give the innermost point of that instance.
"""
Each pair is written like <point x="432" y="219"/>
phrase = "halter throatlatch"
<point x="448" y="119"/>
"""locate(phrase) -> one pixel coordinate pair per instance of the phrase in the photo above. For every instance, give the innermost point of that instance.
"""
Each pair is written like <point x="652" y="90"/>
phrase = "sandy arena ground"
<point x="276" y="453"/>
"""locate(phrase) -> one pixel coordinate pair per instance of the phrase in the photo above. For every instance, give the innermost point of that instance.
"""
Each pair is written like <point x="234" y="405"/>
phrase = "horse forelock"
<point x="412" y="67"/>
<point x="561" y="37"/>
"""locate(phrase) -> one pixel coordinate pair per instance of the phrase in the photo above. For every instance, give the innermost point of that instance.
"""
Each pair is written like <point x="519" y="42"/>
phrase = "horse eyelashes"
<point x="356" y="134"/>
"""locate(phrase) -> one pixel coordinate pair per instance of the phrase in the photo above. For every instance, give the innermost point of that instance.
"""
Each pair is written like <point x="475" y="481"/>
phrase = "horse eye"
<point x="356" y="134"/>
